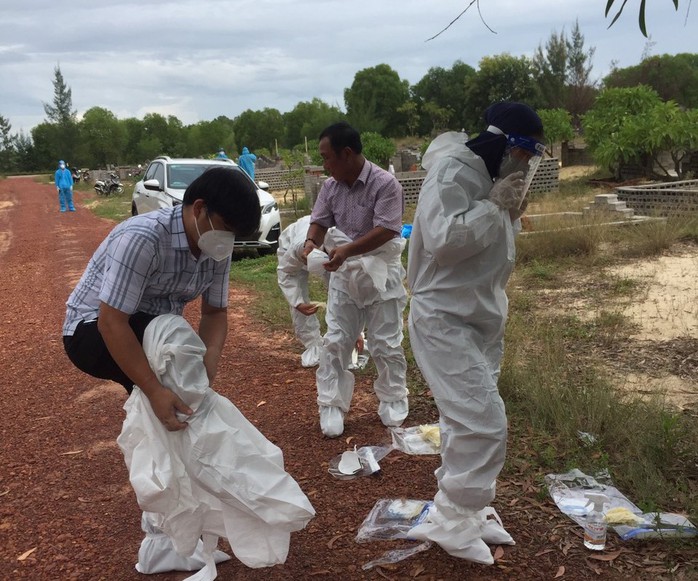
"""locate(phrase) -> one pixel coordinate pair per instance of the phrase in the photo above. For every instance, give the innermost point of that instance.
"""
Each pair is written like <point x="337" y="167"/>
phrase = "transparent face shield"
<point x="523" y="154"/>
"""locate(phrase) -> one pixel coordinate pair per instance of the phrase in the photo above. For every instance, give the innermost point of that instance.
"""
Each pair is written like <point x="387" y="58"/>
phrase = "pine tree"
<point x="61" y="112"/>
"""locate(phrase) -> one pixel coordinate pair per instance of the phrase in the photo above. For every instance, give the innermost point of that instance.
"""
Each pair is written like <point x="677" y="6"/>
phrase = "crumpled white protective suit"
<point x="219" y="477"/>
<point x="460" y="258"/>
<point x="367" y="291"/>
<point x="292" y="275"/>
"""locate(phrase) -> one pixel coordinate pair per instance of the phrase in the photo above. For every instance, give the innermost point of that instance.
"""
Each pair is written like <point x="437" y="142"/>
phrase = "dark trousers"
<point x="88" y="352"/>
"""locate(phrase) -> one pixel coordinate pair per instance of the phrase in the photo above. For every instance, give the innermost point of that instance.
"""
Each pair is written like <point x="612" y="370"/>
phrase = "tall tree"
<point x="259" y="129"/>
<point x="62" y="115"/>
<point x="550" y="70"/>
<point x="582" y="90"/>
<point x="102" y="138"/>
<point x="445" y="89"/>
<point x="61" y="112"/>
<point x="6" y="146"/>
<point x="307" y="120"/>
<point x="500" y="78"/>
<point x="373" y="100"/>
<point x="674" y="77"/>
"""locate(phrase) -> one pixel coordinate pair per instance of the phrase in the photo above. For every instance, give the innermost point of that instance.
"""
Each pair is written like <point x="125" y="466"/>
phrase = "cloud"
<point x="198" y="61"/>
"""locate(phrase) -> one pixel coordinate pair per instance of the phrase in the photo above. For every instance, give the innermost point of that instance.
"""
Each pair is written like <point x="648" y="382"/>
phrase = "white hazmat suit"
<point x="292" y="275"/>
<point x="220" y="477"/>
<point x="460" y="257"/>
<point x="367" y="291"/>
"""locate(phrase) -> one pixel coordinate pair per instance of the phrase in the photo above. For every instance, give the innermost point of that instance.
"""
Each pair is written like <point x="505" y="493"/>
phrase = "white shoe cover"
<point x="311" y="356"/>
<point x="331" y="421"/>
<point x="458" y="536"/>
<point x="157" y="555"/>
<point x="393" y="413"/>
<point x="493" y="533"/>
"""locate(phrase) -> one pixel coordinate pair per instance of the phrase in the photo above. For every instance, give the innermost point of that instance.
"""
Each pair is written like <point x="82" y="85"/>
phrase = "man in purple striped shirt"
<point x="365" y="203"/>
<point x="153" y="264"/>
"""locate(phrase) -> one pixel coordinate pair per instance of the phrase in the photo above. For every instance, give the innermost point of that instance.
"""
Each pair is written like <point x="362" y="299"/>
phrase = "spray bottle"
<point x="595" y="526"/>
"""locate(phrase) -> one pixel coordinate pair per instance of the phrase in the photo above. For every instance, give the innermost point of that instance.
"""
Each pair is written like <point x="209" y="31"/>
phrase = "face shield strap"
<point x="527" y="143"/>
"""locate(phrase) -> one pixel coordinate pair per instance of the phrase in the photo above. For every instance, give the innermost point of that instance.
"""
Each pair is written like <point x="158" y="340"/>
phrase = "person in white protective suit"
<point x="218" y="478"/>
<point x="292" y="274"/>
<point x="365" y="204"/>
<point x="460" y="257"/>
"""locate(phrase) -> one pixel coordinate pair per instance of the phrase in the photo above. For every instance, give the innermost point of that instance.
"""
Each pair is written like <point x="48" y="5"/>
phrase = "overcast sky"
<point x="199" y="60"/>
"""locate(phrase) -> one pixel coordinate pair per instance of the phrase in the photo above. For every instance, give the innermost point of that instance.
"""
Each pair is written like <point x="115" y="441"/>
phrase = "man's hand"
<point x="308" y="247"/>
<point x="165" y="403"/>
<point x="337" y="257"/>
<point x="307" y="309"/>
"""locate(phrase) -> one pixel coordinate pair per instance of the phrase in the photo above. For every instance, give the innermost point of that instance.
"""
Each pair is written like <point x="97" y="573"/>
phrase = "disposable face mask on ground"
<point x="355" y="463"/>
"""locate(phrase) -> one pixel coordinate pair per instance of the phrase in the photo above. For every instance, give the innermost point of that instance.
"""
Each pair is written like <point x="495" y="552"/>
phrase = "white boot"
<point x="331" y="421"/>
<point x="458" y="535"/>
<point x="393" y="413"/>
<point x="493" y="533"/>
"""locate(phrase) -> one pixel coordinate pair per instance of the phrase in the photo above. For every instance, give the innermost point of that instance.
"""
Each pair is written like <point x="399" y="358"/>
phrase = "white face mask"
<point x="218" y="244"/>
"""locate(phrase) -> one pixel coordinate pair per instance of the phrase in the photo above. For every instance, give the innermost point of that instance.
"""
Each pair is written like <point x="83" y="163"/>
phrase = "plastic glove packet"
<point x="391" y="519"/>
<point x="658" y="525"/>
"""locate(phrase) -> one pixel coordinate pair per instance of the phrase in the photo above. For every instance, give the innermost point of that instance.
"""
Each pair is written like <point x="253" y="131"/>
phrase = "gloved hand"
<point x="516" y="213"/>
<point x="507" y="193"/>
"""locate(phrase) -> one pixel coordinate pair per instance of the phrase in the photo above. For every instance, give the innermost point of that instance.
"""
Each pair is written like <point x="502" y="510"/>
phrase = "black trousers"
<point x="88" y="352"/>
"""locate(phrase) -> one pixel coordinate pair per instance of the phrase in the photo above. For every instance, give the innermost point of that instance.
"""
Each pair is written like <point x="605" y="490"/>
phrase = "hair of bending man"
<point x="341" y="135"/>
<point x="231" y="195"/>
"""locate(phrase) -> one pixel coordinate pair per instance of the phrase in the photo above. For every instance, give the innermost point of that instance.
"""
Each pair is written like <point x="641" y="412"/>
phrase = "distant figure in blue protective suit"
<point x="246" y="162"/>
<point x="64" y="184"/>
<point x="221" y="154"/>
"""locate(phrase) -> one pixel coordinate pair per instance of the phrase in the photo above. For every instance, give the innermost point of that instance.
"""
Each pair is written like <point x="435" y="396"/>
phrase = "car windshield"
<point x="180" y="175"/>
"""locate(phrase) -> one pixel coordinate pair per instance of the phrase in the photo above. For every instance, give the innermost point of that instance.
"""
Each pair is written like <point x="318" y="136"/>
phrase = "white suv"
<point x="165" y="180"/>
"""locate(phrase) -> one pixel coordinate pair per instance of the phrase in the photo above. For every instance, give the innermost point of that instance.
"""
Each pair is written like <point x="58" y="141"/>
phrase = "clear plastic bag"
<point x="416" y="440"/>
<point x="367" y="458"/>
<point x="391" y="519"/>
<point x="397" y="555"/>
<point x="569" y="492"/>
<point x="657" y="525"/>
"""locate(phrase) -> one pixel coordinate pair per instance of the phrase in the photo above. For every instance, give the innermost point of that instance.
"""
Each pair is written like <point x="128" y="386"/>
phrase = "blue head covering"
<point x="507" y="117"/>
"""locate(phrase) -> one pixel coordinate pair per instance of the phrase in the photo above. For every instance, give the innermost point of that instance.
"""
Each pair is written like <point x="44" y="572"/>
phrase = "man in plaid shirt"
<point x="154" y="264"/>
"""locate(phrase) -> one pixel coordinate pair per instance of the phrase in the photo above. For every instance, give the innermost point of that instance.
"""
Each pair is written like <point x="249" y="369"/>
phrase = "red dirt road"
<point x="67" y="510"/>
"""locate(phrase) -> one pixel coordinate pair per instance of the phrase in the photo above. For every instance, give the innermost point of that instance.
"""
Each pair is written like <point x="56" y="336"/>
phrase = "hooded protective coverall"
<point x="246" y="162"/>
<point x="292" y="274"/>
<point x="365" y="292"/>
<point x="63" y="180"/>
<point x="460" y="257"/>
<point x="218" y="478"/>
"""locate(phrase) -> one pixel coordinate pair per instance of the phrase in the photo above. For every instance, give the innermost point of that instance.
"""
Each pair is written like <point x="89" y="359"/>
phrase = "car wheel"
<point x="268" y="251"/>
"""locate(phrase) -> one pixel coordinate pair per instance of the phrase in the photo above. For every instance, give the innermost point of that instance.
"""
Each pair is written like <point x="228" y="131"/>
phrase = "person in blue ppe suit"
<point x="221" y="154"/>
<point x="460" y="257"/>
<point x="246" y="161"/>
<point x="64" y="184"/>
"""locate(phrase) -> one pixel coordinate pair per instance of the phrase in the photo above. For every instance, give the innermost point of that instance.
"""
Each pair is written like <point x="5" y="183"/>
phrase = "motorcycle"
<point x="110" y="186"/>
<point x="85" y="175"/>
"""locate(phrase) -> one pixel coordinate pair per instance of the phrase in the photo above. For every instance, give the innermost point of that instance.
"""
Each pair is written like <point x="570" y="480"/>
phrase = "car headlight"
<point x="269" y="208"/>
